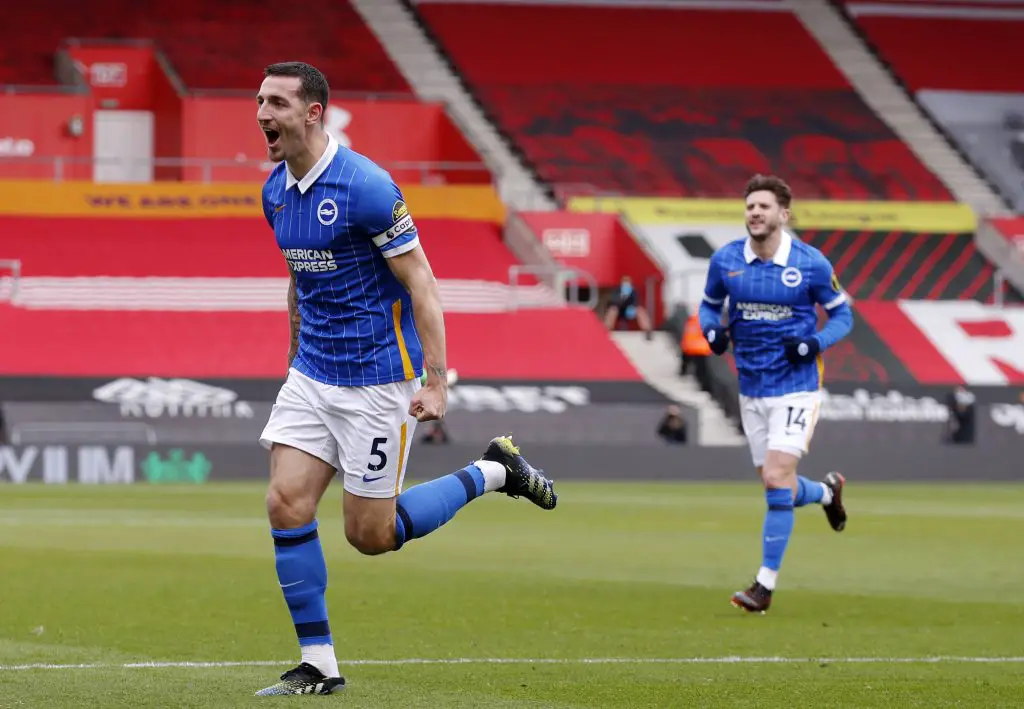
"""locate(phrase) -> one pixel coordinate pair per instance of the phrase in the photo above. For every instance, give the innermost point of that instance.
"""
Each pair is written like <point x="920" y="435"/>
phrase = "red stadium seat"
<point x="221" y="45"/>
<point x="977" y="49"/>
<point x="688" y="103"/>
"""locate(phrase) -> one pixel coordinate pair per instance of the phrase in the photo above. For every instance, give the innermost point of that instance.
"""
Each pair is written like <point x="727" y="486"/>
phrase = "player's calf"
<point x="424" y="508"/>
<point x="779" y="476"/>
<point x="297" y="481"/>
<point x="369" y="524"/>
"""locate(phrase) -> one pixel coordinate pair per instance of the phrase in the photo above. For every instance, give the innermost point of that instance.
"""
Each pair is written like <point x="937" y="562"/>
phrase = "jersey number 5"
<point x="376" y="451"/>
<point x="796" y="417"/>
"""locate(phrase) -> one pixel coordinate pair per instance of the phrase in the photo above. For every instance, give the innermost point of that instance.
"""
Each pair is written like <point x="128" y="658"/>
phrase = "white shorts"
<point x="780" y="423"/>
<point x="365" y="432"/>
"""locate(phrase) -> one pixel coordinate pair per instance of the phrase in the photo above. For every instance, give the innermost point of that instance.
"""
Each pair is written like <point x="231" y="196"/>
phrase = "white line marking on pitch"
<point x="729" y="660"/>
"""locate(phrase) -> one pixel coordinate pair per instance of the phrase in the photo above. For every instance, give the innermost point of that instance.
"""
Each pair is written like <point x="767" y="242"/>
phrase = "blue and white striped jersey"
<point x="771" y="302"/>
<point x="335" y="228"/>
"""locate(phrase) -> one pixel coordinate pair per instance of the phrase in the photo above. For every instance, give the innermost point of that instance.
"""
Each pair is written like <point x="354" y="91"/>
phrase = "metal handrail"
<point x="1007" y="256"/>
<point x="60" y="163"/>
<point x="998" y="286"/>
<point x="671" y="284"/>
<point x="61" y="89"/>
<point x="524" y="243"/>
<point x="15" y="267"/>
<point x="563" y="275"/>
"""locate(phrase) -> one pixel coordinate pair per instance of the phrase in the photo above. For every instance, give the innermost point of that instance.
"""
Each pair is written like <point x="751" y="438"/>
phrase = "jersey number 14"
<point x="796" y="417"/>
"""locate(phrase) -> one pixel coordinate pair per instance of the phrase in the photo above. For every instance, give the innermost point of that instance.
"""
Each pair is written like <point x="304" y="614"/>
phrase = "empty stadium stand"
<point x="206" y="298"/>
<point x="972" y="46"/>
<point x="219" y="45"/>
<point x="962" y="67"/>
<point x="673" y="101"/>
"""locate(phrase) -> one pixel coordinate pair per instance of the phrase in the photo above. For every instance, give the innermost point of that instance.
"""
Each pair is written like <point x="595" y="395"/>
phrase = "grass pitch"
<point x="618" y="598"/>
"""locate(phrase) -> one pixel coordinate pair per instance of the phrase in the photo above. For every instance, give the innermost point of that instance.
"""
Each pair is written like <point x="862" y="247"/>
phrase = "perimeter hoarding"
<point x="196" y="200"/>
<point x="937" y="217"/>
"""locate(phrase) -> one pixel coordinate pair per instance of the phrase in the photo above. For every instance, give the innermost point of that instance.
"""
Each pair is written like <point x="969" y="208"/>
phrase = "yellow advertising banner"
<point x="922" y="217"/>
<point x="188" y="200"/>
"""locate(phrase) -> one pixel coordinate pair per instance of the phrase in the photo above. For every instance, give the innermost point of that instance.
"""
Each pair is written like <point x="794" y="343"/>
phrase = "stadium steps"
<point x="893" y="105"/>
<point x="425" y="69"/>
<point x="657" y="361"/>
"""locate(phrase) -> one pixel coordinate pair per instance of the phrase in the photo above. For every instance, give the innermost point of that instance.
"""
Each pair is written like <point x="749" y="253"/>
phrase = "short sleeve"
<point x="385" y="216"/>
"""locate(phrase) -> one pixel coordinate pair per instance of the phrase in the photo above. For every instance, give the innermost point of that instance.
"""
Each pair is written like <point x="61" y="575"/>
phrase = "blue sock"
<point x="807" y="492"/>
<point x="424" y="508"/>
<point x="778" y="525"/>
<point x="302" y="573"/>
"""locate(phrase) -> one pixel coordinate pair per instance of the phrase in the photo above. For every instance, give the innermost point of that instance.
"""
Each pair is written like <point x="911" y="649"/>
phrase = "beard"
<point x="767" y="228"/>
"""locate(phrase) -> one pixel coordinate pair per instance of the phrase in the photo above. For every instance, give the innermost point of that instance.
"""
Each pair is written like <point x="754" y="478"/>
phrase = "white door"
<point x="123" y="146"/>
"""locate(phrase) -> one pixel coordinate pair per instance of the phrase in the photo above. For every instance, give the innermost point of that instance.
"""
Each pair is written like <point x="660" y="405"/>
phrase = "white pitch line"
<point x="728" y="660"/>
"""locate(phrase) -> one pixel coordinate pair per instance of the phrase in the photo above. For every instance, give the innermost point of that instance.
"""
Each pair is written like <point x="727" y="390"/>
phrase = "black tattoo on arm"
<point x="441" y="371"/>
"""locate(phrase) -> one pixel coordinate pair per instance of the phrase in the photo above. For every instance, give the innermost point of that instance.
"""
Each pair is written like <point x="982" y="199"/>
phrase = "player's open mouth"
<point x="272" y="137"/>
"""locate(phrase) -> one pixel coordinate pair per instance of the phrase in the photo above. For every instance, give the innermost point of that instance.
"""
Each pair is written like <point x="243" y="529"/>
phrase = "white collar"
<point x="313" y="175"/>
<point x="781" y="256"/>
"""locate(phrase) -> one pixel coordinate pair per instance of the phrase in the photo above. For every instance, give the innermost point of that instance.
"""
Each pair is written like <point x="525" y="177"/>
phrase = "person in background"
<point x="673" y="426"/>
<point x="695" y="348"/>
<point x="1014" y="124"/>
<point x="625" y="305"/>
<point x="960" y="426"/>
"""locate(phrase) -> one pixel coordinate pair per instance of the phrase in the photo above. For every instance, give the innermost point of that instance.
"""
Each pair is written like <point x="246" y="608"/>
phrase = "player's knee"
<point x="370" y="538"/>
<point x="286" y="510"/>
<point x="777" y="477"/>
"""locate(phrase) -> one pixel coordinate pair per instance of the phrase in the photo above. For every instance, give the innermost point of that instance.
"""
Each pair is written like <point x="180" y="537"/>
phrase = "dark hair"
<point x="313" y="84"/>
<point x="770" y="183"/>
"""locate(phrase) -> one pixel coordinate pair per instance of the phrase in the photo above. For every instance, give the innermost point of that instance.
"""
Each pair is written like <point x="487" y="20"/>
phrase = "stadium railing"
<point x="564" y="282"/>
<point x="9" y="283"/>
<point x="1007" y="258"/>
<point x="55" y="168"/>
<point x="525" y="246"/>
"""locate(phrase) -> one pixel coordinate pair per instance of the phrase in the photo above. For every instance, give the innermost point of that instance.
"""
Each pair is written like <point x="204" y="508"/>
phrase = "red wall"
<point x="527" y="345"/>
<point x="608" y="252"/>
<point x="37" y="124"/>
<point x="389" y="132"/>
<point x="585" y="241"/>
<point x="119" y="76"/>
<point x="225" y="247"/>
<point x="167" y="124"/>
<point x="635" y="263"/>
